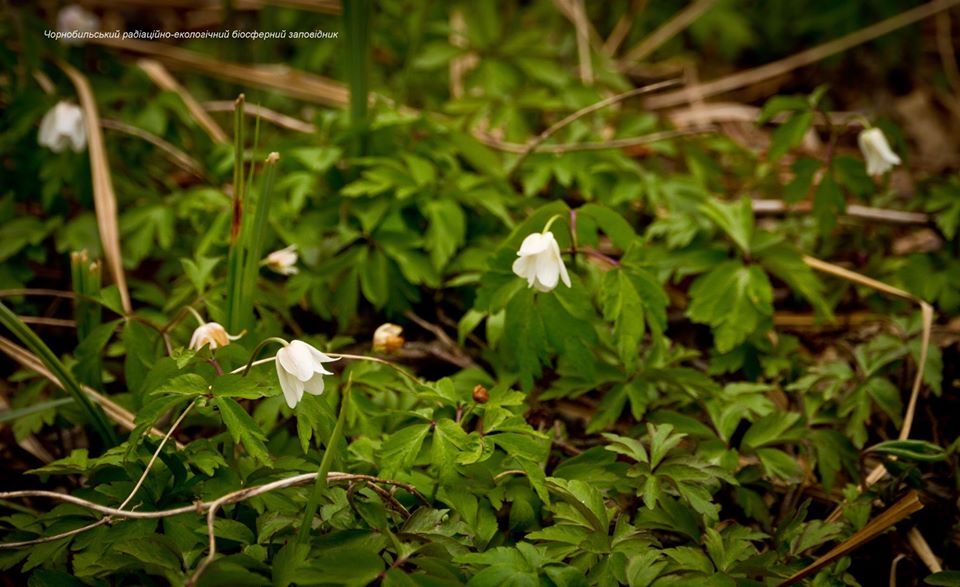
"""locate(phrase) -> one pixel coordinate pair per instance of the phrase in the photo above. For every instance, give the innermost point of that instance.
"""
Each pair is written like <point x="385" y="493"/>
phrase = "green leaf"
<point x="447" y="230"/>
<point x="913" y="450"/>
<point x="735" y="219"/>
<point x="400" y="450"/>
<point x="243" y="429"/>
<point x="771" y="429"/>
<point x="789" y="134"/>
<point x="736" y="300"/>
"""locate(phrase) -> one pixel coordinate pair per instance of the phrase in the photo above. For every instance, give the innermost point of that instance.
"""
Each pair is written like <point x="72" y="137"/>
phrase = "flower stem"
<point x="196" y="315"/>
<point x="320" y="485"/>
<point x="257" y="350"/>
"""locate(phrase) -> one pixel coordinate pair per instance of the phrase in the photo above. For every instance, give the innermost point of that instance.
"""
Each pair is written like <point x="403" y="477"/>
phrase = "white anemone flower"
<point x="540" y="262"/>
<point x="300" y="369"/>
<point x="63" y="126"/>
<point x="77" y="19"/>
<point x="876" y="150"/>
<point x="213" y="334"/>
<point x="283" y="261"/>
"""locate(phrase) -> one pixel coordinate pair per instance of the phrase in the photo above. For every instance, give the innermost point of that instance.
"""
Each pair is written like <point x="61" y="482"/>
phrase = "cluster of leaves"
<point x="638" y="427"/>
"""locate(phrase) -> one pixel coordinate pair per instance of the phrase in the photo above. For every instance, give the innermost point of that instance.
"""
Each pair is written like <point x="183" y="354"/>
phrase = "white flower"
<point x="880" y="157"/>
<point x="63" y="126"/>
<point x="283" y="261"/>
<point x="75" y="18"/>
<point x="540" y="262"/>
<point x="300" y="368"/>
<point x="387" y="339"/>
<point x="212" y="334"/>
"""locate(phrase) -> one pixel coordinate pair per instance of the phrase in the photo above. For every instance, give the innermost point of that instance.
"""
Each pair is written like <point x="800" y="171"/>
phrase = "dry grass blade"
<point x="761" y="206"/>
<point x="267" y="114"/>
<point x="186" y="162"/>
<point x="160" y="76"/>
<point x="923" y="550"/>
<point x="298" y="84"/>
<point x="115" y="412"/>
<point x="926" y="312"/>
<point x="668" y="30"/>
<point x="104" y="198"/>
<point x="812" y="55"/>
<point x="897" y="512"/>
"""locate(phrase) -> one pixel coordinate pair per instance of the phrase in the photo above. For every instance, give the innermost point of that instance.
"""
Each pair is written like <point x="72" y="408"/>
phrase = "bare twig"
<point x="624" y="143"/>
<point x="668" y="30"/>
<point x="947" y="54"/>
<point x="854" y="210"/>
<point x="185" y="161"/>
<point x="801" y="59"/>
<point x="566" y="121"/>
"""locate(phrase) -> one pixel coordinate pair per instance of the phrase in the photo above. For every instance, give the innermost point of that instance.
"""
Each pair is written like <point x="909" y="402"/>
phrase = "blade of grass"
<point x="60" y="371"/>
<point x="234" y="260"/>
<point x="320" y="485"/>
<point x="356" y="16"/>
<point x="10" y="415"/>
<point x="124" y="418"/>
<point x="104" y="198"/>
<point x="253" y="242"/>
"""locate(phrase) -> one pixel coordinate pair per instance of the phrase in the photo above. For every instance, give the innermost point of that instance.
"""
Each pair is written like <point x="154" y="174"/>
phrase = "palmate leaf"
<point x="736" y="300"/>
<point x="631" y="298"/>
<point x="243" y="429"/>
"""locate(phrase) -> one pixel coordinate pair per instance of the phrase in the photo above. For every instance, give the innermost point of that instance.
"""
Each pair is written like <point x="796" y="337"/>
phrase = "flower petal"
<point x="315" y="385"/>
<point x="534" y="243"/>
<point x="548" y="270"/>
<point x="291" y="387"/>
<point x="296" y="359"/>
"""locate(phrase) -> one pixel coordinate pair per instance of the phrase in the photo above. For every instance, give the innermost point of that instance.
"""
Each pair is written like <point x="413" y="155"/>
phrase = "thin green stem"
<point x="257" y="350"/>
<point x="320" y="485"/>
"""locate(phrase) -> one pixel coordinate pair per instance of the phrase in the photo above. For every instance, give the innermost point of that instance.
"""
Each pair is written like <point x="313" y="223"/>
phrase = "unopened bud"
<point x="480" y="394"/>
<point x="387" y="339"/>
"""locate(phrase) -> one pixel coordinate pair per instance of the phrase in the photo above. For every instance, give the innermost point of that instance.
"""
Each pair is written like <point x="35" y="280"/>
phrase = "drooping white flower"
<point x="63" y="126"/>
<point x="212" y="334"/>
<point x="387" y="339"/>
<point x="877" y="152"/>
<point x="77" y="19"/>
<point x="300" y="368"/>
<point x="540" y="262"/>
<point x="283" y="261"/>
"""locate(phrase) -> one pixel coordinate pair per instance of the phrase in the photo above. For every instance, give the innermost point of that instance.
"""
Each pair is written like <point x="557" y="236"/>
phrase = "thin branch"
<point x="881" y="214"/>
<point x="156" y="454"/>
<point x="624" y="143"/>
<point x="186" y="162"/>
<point x="44" y="321"/>
<point x="668" y="30"/>
<point x="764" y="72"/>
<point x="566" y="121"/>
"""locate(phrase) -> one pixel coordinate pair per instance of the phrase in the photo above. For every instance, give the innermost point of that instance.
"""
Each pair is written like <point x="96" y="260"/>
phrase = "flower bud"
<point x="63" y="126"/>
<point x="283" y="261"/>
<point x="387" y="339"/>
<point x="480" y="394"/>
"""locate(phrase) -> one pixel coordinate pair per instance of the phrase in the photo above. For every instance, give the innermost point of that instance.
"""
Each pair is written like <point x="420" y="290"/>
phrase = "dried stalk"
<point x="801" y="59"/>
<point x="667" y="31"/>
<point x="104" y="198"/>
<point x="160" y="76"/>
